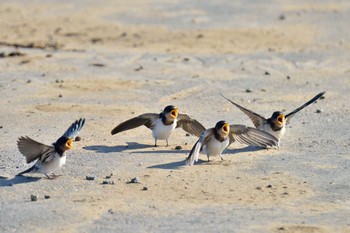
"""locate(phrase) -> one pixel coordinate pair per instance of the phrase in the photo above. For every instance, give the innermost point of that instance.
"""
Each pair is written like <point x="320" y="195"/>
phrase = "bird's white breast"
<point x="50" y="166"/>
<point x="277" y="134"/>
<point x="215" y="147"/>
<point x="161" y="131"/>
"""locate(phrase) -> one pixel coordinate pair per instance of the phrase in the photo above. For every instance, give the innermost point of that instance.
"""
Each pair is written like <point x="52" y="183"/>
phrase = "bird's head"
<point x="171" y="112"/>
<point x="64" y="143"/>
<point x="223" y="128"/>
<point x="278" y="118"/>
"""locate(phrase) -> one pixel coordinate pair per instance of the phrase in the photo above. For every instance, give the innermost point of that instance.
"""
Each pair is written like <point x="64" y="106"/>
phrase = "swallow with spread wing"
<point x="275" y="125"/>
<point x="214" y="140"/>
<point x="48" y="158"/>
<point x="162" y="124"/>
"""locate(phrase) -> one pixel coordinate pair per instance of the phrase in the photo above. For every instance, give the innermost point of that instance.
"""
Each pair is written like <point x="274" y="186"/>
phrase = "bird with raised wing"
<point x="215" y="140"/>
<point x="48" y="158"/>
<point x="276" y="124"/>
<point x="162" y="124"/>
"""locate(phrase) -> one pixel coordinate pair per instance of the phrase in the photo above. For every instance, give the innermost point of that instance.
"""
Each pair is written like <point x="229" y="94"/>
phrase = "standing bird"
<point x="276" y="124"/>
<point x="214" y="140"/>
<point x="49" y="158"/>
<point x="162" y="124"/>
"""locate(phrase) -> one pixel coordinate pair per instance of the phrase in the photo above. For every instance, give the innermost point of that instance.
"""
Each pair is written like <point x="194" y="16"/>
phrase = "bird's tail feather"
<point x="26" y="171"/>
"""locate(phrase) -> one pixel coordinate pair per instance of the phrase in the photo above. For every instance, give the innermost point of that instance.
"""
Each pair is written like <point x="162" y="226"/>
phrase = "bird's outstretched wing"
<point x="316" y="97"/>
<point x="146" y="119"/>
<point x="254" y="117"/>
<point x="74" y="129"/>
<point x="194" y="154"/>
<point x="190" y="125"/>
<point x="33" y="150"/>
<point x="251" y="136"/>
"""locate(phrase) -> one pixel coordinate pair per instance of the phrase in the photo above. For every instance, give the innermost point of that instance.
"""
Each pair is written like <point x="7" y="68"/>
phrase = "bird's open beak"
<point x="174" y="113"/>
<point x="69" y="144"/>
<point x="226" y="128"/>
<point x="280" y="119"/>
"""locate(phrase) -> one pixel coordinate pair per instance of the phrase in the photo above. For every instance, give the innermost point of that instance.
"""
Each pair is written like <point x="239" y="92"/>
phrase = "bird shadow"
<point x="174" y="165"/>
<point x="155" y="151"/>
<point x="243" y="150"/>
<point x="18" y="180"/>
<point x="110" y="149"/>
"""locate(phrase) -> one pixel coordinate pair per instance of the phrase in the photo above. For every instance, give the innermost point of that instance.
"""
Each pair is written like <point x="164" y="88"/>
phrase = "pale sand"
<point x="154" y="54"/>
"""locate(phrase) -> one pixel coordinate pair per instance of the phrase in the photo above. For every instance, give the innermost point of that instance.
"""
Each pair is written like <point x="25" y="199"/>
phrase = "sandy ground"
<point x="112" y="60"/>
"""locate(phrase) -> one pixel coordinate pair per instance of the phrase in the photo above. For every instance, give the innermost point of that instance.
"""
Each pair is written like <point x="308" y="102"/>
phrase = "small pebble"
<point x="288" y="77"/>
<point x="248" y="90"/>
<point x="77" y="139"/>
<point x="93" y="177"/>
<point x="258" y="188"/>
<point x="59" y="96"/>
<point x="135" y="180"/>
<point x="145" y="188"/>
<point x="319" y="110"/>
<point x="109" y="176"/>
<point x="47" y="197"/>
<point x="29" y="81"/>
<point x="322" y="97"/>
<point x="139" y="68"/>
<point x="282" y="17"/>
<point x="269" y="186"/>
<point x="178" y="147"/>
<point x="140" y="164"/>
<point x="107" y="182"/>
<point x="98" y="64"/>
<point x="33" y="197"/>
<point x="188" y="134"/>
<point x="267" y="73"/>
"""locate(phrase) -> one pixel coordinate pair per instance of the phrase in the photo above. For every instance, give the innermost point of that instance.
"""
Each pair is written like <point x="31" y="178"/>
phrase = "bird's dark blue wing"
<point x="74" y="129"/>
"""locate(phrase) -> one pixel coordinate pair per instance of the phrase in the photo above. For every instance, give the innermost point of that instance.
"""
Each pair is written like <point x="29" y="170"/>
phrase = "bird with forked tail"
<point x="215" y="140"/>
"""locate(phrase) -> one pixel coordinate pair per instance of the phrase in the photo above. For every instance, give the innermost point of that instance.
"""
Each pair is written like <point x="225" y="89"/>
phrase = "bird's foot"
<point x="53" y="176"/>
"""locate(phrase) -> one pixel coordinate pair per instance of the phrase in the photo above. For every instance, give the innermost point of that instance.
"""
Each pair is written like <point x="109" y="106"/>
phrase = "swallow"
<point x="215" y="140"/>
<point x="48" y="158"/>
<point x="276" y="124"/>
<point x="162" y="124"/>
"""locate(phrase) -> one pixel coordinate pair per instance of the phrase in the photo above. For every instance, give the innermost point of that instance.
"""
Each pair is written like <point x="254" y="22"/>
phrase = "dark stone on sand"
<point x="135" y="180"/>
<point x="92" y="177"/>
<point x="33" y="197"/>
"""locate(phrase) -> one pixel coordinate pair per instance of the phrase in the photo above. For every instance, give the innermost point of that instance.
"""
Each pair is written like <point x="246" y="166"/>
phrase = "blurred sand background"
<point x="109" y="61"/>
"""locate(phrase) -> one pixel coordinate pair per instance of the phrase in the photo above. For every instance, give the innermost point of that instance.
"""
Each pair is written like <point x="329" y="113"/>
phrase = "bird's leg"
<point x="167" y="144"/>
<point x="208" y="158"/>
<point x="54" y="175"/>
<point x="155" y="142"/>
<point x="48" y="177"/>
<point x="222" y="159"/>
